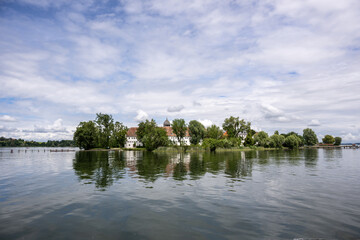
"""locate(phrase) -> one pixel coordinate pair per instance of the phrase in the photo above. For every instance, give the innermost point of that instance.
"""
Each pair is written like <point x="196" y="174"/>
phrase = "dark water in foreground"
<point x="138" y="195"/>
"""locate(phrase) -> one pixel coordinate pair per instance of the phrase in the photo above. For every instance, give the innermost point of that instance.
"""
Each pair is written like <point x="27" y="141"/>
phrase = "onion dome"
<point x="166" y="123"/>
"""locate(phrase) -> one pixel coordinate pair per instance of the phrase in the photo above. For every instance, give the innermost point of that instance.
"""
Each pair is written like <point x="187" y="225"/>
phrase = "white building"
<point x="132" y="141"/>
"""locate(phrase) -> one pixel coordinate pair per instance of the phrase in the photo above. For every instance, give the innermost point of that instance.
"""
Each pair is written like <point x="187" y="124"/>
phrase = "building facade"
<point x="133" y="142"/>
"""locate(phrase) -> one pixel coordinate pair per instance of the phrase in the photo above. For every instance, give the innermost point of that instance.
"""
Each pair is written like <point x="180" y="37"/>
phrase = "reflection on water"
<point x="103" y="168"/>
<point x="100" y="168"/>
<point x="282" y="194"/>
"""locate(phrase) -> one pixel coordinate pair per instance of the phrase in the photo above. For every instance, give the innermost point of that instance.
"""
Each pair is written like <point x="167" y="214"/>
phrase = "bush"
<point x="292" y="141"/>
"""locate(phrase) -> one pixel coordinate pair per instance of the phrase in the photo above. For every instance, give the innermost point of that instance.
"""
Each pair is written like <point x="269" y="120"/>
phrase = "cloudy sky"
<point x="283" y="65"/>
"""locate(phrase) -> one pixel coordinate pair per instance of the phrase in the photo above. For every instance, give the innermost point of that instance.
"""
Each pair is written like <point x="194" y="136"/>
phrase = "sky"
<point x="282" y="65"/>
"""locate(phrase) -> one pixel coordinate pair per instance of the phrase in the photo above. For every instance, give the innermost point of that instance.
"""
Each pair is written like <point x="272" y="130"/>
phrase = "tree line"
<point x="235" y="132"/>
<point x="103" y="132"/>
<point x="12" y="142"/>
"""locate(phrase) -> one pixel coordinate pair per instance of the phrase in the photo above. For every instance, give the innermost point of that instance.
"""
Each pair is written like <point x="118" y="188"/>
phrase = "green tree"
<point x="145" y="128"/>
<point x="328" y="139"/>
<point x="233" y="126"/>
<point x="249" y="140"/>
<point x="211" y="143"/>
<point x="197" y="131"/>
<point x="300" y="138"/>
<point x="151" y="136"/>
<point x="277" y="141"/>
<point x="310" y="137"/>
<point x="105" y="125"/>
<point x="214" y="132"/>
<point x="85" y="135"/>
<point x="292" y="141"/>
<point x="179" y="128"/>
<point x="262" y="139"/>
<point x="337" y="141"/>
<point x="118" y="137"/>
<point x="155" y="139"/>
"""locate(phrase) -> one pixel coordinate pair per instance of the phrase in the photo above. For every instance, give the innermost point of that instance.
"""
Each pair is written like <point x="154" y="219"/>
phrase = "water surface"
<point x="139" y="195"/>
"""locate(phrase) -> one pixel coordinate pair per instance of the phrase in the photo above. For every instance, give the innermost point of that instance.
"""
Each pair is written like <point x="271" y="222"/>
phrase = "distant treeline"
<point x="12" y="142"/>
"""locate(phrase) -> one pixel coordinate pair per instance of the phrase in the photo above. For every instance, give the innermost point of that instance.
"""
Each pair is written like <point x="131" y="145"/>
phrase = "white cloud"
<point x="175" y="108"/>
<point x="141" y="116"/>
<point x="314" y="123"/>
<point x="7" y="118"/>
<point x="206" y="122"/>
<point x="272" y="62"/>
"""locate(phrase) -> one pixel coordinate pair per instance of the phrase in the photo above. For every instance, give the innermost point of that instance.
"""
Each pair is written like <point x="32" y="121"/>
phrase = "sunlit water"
<point x="139" y="195"/>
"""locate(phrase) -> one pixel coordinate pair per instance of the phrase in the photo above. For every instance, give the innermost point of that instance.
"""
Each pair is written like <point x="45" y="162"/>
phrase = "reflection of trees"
<point x="213" y="162"/>
<point x="152" y="165"/>
<point x="332" y="153"/>
<point x="237" y="166"/>
<point x="263" y="157"/>
<point x="196" y="166"/>
<point x="179" y="172"/>
<point x="100" y="167"/>
<point x="293" y="156"/>
<point x="310" y="156"/>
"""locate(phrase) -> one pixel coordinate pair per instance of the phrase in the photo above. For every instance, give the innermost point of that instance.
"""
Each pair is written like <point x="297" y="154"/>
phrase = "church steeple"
<point x="166" y="123"/>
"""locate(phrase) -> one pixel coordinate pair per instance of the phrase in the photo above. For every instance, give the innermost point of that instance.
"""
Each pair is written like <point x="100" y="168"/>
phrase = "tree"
<point x="197" y="132"/>
<point x="179" y="128"/>
<point x="337" y="141"/>
<point x="328" y="139"/>
<point x="249" y="141"/>
<point x="105" y="125"/>
<point x="151" y="136"/>
<point x="85" y="135"/>
<point x="145" y="128"/>
<point x="155" y="139"/>
<point x="211" y="143"/>
<point x="118" y="137"/>
<point x="292" y="141"/>
<point x="300" y="138"/>
<point x="262" y="139"/>
<point x="214" y="132"/>
<point x="277" y="141"/>
<point x="234" y="126"/>
<point x="310" y="137"/>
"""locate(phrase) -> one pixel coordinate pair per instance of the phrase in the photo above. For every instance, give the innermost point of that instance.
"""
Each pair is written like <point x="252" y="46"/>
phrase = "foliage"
<point x="211" y="143"/>
<point x="106" y="133"/>
<point x="151" y="136"/>
<point x="179" y="128"/>
<point x="197" y="132"/>
<point x="337" y="141"/>
<point x="310" y="137"/>
<point x="249" y="140"/>
<point x="118" y="137"/>
<point x="155" y="139"/>
<point x="12" y="142"/>
<point x="214" y="132"/>
<point x="276" y="141"/>
<point x="292" y="141"/>
<point x="234" y="126"/>
<point x="300" y="138"/>
<point x="145" y="128"/>
<point x="262" y="139"/>
<point x="105" y="125"/>
<point x="328" y="139"/>
<point x="85" y="135"/>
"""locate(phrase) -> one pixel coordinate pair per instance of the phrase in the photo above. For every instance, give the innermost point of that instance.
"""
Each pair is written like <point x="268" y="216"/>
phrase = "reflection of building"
<point x="132" y="141"/>
<point x="178" y="159"/>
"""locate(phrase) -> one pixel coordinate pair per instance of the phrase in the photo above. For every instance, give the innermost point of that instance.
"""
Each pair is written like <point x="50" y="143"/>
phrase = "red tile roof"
<point x="131" y="132"/>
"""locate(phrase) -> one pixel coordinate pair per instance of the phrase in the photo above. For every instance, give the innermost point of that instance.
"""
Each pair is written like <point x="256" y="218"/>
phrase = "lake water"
<point x="139" y="195"/>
